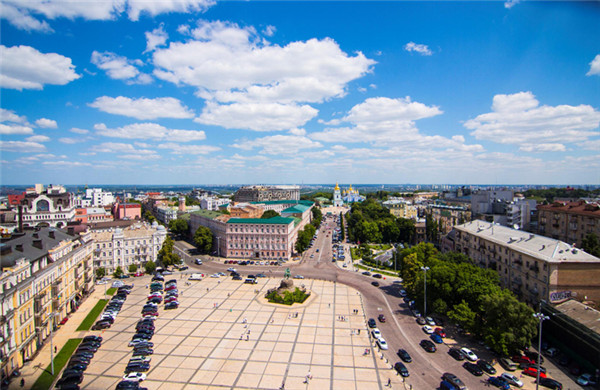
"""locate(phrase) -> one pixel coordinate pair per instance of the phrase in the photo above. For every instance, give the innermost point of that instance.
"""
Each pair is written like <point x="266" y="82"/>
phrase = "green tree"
<point x="304" y="237"/>
<point x="317" y="217"/>
<point x="149" y="217"/>
<point x="150" y="267"/>
<point x="342" y="230"/>
<point x="118" y="272"/>
<point x="203" y="238"/>
<point x="270" y="214"/>
<point x="591" y="244"/>
<point x="133" y="268"/>
<point x="178" y="226"/>
<point x="431" y="228"/>
<point x="406" y="229"/>
<point x="100" y="272"/>
<point x="463" y="315"/>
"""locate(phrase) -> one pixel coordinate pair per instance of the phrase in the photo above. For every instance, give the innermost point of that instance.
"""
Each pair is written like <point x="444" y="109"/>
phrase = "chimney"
<point x="19" y="247"/>
<point x="20" y="226"/>
<point x="71" y="231"/>
<point x="5" y="249"/>
<point x="51" y="234"/>
<point x="38" y="244"/>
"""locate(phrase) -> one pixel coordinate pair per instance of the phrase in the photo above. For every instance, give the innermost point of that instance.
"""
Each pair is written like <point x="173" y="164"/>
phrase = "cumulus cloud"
<point x="143" y="108"/>
<point x="519" y="119"/>
<point x="10" y="116"/>
<point x="256" y="116"/>
<point x="25" y="14"/>
<point x="278" y="144"/>
<point x="127" y="151"/>
<point x="21" y="146"/>
<point x="119" y="67"/>
<point x="70" y="140"/>
<point x="188" y="149"/>
<point x="46" y="123"/>
<point x="38" y="138"/>
<point x="549" y="147"/>
<point x="23" y="67"/>
<point x="150" y="131"/>
<point x="79" y="131"/>
<point x="68" y="164"/>
<point x="594" y="66"/>
<point x="10" y="128"/>
<point x="155" y="38"/>
<point x="511" y="3"/>
<point x="418" y="48"/>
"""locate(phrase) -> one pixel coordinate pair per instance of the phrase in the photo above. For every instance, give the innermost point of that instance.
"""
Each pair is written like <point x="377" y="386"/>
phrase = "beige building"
<point x="135" y="244"/>
<point x="534" y="267"/>
<point x="400" y="208"/>
<point x="448" y="216"/>
<point x="245" y="210"/>
<point x="45" y="274"/>
<point x="569" y="221"/>
<point x="267" y="193"/>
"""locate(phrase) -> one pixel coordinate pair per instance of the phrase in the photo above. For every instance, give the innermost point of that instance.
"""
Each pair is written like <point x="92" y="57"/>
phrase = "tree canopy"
<point x="178" y="226"/>
<point x="591" y="244"/>
<point x="270" y="214"/>
<point x="203" y="238"/>
<point x="371" y="222"/>
<point x="166" y="255"/>
<point x="317" y="217"/>
<point x="150" y="267"/>
<point x="304" y="237"/>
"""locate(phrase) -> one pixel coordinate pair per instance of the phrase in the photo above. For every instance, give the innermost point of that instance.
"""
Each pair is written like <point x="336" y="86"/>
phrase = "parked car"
<point x="436" y="338"/>
<point x="134" y="376"/>
<point x="487" y="367"/>
<point x="440" y="331"/>
<point x="508" y="364"/>
<point x="382" y="343"/>
<point x="381" y="318"/>
<point x="101" y="325"/>
<point x="137" y="367"/>
<point x="532" y="371"/>
<point x="586" y="380"/>
<point x="372" y="323"/>
<point x="430" y="321"/>
<point x="142" y="351"/>
<point x="454" y="380"/>
<point x="473" y="368"/>
<point x="469" y="354"/>
<point x="550" y="383"/>
<point x="376" y="284"/>
<point x="498" y="382"/>
<point x="511" y="379"/>
<point x="456" y="353"/>
<point x="428" y="346"/>
<point x="421" y="321"/>
<point x="404" y="356"/>
<point x="427" y="329"/>
<point x="401" y="369"/>
<point x="376" y="333"/>
<point x="171" y="305"/>
<point x="522" y="359"/>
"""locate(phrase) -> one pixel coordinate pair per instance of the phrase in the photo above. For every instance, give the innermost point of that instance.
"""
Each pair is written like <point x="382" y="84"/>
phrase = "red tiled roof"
<point x="580" y="207"/>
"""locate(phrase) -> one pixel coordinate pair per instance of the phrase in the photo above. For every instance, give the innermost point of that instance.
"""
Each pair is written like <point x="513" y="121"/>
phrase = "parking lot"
<point x="224" y="335"/>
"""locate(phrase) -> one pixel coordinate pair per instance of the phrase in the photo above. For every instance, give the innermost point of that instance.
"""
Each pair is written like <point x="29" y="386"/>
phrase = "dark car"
<point x="144" y="336"/>
<point x="128" y="385"/>
<point x="96" y="344"/>
<point x="376" y="284"/>
<point x="137" y="367"/>
<point x="534" y="356"/>
<point x="70" y="371"/>
<point x="436" y="338"/>
<point x="78" y="366"/>
<point x="456" y="353"/>
<point x="485" y="366"/>
<point x="551" y="383"/>
<point x="377" y="276"/>
<point x="421" y="321"/>
<point x="372" y="323"/>
<point x="428" y="346"/>
<point x="449" y="377"/>
<point x="366" y="273"/>
<point x="171" y="305"/>
<point x="498" y="382"/>
<point x="381" y="318"/>
<point x="473" y="368"/>
<point x="155" y="300"/>
<point x="404" y="356"/>
<point x="87" y="348"/>
<point x="142" y="351"/>
<point x="236" y="277"/>
<point x="401" y="369"/>
<point x="79" y="360"/>
<point x="85" y="354"/>
<point x="101" y="325"/>
<point x="73" y="378"/>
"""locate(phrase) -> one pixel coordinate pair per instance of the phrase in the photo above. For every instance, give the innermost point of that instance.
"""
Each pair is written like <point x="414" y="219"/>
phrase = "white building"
<point x="212" y="203"/>
<point x="166" y="214"/>
<point x="95" y="197"/>
<point x="42" y="207"/>
<point x="337" y="196"/>
<point x="136" y="244"/>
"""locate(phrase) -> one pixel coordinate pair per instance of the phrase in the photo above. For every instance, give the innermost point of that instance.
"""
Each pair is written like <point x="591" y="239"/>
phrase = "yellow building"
<point x="400" y="208"/>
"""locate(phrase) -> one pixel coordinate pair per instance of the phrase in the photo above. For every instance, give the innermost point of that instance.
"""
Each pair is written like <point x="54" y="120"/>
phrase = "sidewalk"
<point x="34" y="368"/>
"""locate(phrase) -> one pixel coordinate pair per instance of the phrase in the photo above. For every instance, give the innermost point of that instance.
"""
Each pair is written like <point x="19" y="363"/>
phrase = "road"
<point x="400" y="330"/>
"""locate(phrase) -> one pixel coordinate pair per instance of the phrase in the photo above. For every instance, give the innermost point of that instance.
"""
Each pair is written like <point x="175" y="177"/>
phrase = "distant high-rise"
<point x="267" y="193"/>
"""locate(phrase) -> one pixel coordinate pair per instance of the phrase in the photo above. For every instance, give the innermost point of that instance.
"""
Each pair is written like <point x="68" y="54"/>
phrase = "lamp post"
<point x="540" y="317"/>
<point x="425" y="269"/>
<point x="52" y="315"/>
<point x="218" y="246"/>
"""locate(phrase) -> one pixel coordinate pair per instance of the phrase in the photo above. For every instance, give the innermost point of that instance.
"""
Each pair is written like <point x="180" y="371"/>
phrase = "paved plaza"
<point x="224" y="335"/>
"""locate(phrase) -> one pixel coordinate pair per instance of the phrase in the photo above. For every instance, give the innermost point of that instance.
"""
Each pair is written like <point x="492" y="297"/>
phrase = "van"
<point x="196" y="277"/>
<point x="198" y="261"/>
<point x="250" y="281"/>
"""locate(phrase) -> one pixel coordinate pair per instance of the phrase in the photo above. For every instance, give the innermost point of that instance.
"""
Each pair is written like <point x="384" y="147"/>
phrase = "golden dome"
<point x="337" y="187"/>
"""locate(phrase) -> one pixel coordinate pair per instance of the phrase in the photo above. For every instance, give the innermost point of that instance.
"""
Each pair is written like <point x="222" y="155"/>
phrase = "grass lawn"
<point x="45" y="380"/>
<point x="111" y="291"/>
<point x="88" y="321"/>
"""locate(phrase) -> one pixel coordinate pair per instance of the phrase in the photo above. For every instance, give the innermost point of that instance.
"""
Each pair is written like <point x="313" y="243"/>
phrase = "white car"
<point x="382" y="343"/>
<point x="430" y="321"/>
<point x="376" y="333"/>
<point x="511" y="379"/>
<point x="586" y="380"/>
<point x="215" y="275"/>
<point x="198" y="262"/>
<point x="469" y="354"/>
<point x="141" y="359"/>
<point x="298" y="277"/>
<point x="231" y="269"/>
<point x="429" y="330"/>
<point x="134" y="376"/>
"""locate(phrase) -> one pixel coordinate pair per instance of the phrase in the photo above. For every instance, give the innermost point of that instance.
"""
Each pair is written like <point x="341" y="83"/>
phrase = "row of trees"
<point x="304" y="237"/>
<point x="369" y="221"/>
<point x="470" y="296"/>
<point x="166" y="256"/>
<point x="549" y="194"/>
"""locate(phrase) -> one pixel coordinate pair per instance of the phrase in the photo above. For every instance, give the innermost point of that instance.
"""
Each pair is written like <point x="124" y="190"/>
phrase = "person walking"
<point x="22" y="382"/>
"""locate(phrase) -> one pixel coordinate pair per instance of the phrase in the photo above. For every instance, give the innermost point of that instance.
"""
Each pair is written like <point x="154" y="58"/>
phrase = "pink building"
<point x="127" y="210"/>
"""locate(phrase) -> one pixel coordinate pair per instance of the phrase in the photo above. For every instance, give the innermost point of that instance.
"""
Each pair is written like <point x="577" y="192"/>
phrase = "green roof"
<point x="296" y="221"/>
<point x="303" y="202"/>
<point x="274" y="220"/>
<point x="207" y="213"/>
<point x="299" y="208"/>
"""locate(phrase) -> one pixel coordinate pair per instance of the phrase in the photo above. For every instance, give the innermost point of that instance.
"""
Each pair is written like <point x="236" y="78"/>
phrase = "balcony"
<point x="534" y="268"/>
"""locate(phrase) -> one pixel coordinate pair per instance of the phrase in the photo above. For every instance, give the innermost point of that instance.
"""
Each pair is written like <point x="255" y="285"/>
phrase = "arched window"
<point x="42" y="205"/>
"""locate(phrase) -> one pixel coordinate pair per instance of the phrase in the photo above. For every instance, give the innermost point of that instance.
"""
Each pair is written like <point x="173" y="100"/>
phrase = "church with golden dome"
<point x="346" y="196"/>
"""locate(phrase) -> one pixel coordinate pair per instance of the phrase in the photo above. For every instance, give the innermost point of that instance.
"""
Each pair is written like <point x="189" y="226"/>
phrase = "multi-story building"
<point x="533" y="266"/>
<point x="449" y="216"/>
<point x="569" y="221"/>
<point x="93" y="214"/>
<point x="165" y="214"/>
<point x="245" y="210"/>
<point x="127" y="210"/>
<point x="266" y="193"/>
<point x="95" y="197"/>
<point x="53" y="206"/>
<point x="45" y="274"/>
<point x="213" y="203"/>
<point x="400" y="208"/>
<point x="136" y="244"/>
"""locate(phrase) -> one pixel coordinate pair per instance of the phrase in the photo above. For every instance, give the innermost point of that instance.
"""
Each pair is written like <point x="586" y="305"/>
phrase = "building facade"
<point x="337" y="196"/>
<point x="245" y="210"/>
<point x="266" y="193"/>
<point x="93" y="214"/>
<point x="534" y="267"/>
<point x="127" y="211"/>
<point x="449" y="216"/>
<point x="400" y="208"/>
<point x="45" y="274"/>
<point x="136" y="244"/>
<point x="569" y="221"/>
<point x="43" y="207"/>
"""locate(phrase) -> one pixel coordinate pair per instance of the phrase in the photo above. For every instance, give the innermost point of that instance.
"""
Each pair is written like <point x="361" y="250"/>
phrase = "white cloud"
<point x="21" y="13"/>
<point x="519" y="119"/>
<point x="594" y="66"/>
<point x="8" y="129"/>
<point x="21" y="147"/>
<point x="79" y="131"/>
<point x="548" y="147"/>
<point x="189" y="149"/>
<point x="67" y="164"/>
<point x="46" y="123"/>
<point x="124" y="150"/>
<point x="38" y="138"/>
<point x="119" y="67"/>
<point x="70" y="140"/>
<point x="10" y="116"/>
<point x="155" y="38"/>
<point x="150" y="131"/>
<point x="269" y="31"/>
<point x="511" y="3"/>
<point x="278" y="144"/>
<point x="418" y="48"/>
<point x="256" y="116"/>
<point x="23" y="67"/>
<point x="143" y="108"/>
<point x="228" y="63"/>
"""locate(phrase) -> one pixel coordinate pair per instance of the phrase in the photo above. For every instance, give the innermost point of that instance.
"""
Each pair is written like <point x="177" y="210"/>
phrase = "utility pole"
<point x="540" y="317"/>
<point x="425" y="269"/>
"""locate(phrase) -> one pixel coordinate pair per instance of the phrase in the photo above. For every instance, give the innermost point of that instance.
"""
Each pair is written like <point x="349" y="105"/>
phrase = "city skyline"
<point x="198" y="91"/>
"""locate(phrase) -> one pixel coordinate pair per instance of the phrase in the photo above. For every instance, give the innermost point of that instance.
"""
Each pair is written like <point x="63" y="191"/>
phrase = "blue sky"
<point x="209" y="92"/>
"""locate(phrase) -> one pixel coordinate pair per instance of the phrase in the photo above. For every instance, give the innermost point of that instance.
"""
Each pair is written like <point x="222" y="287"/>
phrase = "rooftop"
<point x="207" y="214"/>
<point x="304" y="202"/>
<point x="274" y="220"/>
<point x="299" y="208"/>
<point x="580" y="207"/>
<point x="541" y="247"/>
<point x="581" y="313"/>
<point x="25" y="241"/>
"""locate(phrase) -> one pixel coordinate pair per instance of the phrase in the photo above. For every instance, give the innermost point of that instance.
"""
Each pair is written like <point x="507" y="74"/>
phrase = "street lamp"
<point x="425" y="269"/>
<point x="52" y="315"/>
<point x="540" y="317"/>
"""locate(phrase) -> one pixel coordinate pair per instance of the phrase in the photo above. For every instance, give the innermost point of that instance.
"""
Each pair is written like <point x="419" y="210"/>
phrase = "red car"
<point x="171" y="287"/>
<point x="381" y="318"/>
<point x="440" y="332"/>
<point x="64" y="321"/>
<point x="532" y="371"/>
<point x="138" y="274"/>
<point x="522" y="359"/>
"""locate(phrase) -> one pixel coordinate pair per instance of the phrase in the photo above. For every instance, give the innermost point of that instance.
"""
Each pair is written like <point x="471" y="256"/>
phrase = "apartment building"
<point x="400" y="208"/>
<point x="533" y="266"/>
<point x="135" y="244"/>
<point x="448" y="216"/>
<point x="45" y="273"/>
<point x="266" y="193"/>
<point x="569" y="221"/>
